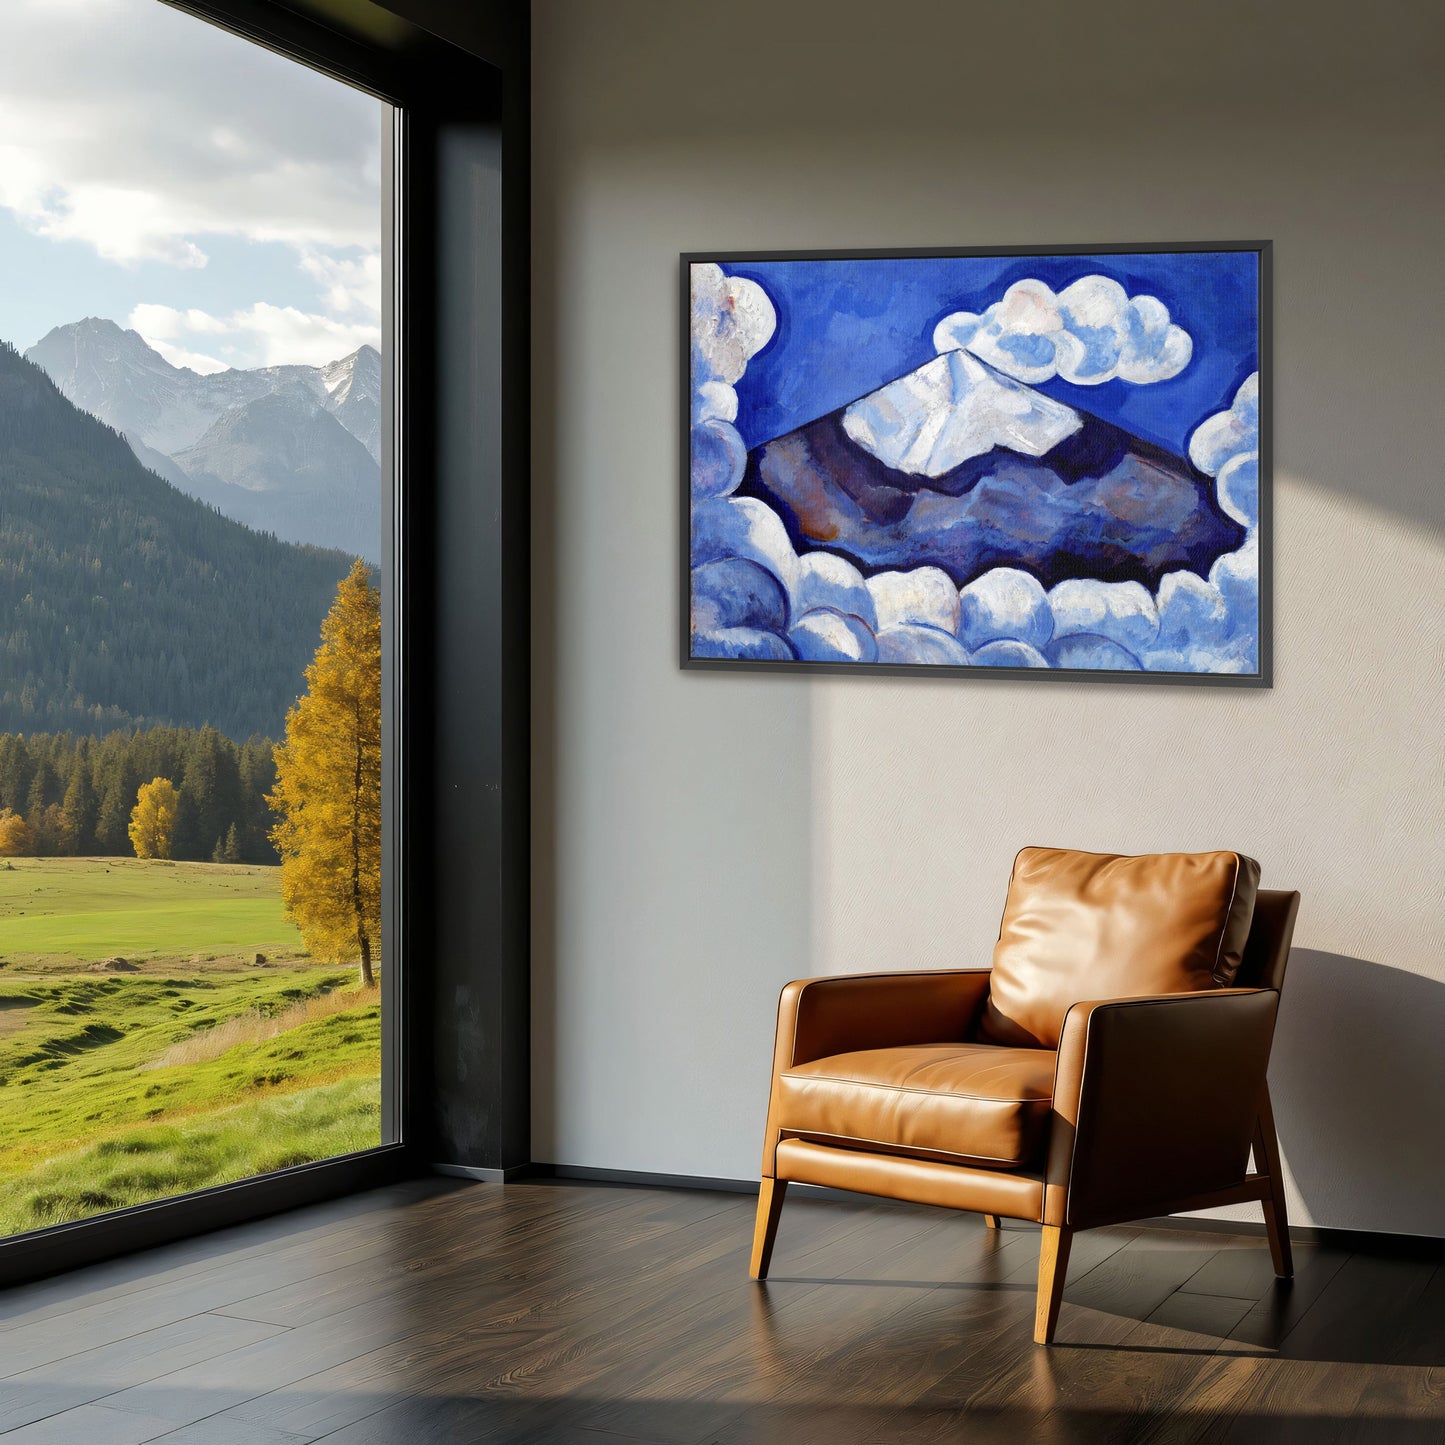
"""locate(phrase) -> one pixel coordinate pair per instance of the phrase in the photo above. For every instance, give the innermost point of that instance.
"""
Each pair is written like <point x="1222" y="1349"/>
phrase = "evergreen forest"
<point x="126" y="604"/>
<point x="64" y="795"/>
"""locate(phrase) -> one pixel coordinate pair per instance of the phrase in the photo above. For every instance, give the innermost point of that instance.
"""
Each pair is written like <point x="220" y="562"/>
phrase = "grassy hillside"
<point x="122" y="600"/>
<point x="198" y="1068"/>
<point x="219" y="1147"/>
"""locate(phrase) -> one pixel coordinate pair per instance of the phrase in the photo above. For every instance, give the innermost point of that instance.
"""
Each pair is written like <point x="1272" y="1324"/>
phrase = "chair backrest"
<point x="1080" y="925"/>
<point x="1266" y="950"/>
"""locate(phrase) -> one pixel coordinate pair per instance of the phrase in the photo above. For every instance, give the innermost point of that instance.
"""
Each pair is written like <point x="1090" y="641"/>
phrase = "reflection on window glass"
<point x="190" y="627"/>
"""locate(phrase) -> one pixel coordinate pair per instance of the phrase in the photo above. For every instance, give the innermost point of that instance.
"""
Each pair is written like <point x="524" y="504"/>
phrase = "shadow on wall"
<point x="1358" y="1083"/>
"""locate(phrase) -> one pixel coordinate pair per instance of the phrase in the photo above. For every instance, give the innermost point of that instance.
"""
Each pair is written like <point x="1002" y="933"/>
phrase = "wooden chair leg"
<point x="991" y="1221"/>
<point x="1266" y="1160"/>
<point x="765" y="1230"/>
<point x="1053" y="1266"/>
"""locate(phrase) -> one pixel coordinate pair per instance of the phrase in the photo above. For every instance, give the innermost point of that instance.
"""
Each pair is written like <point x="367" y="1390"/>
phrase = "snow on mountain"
<point x="275" y="467"/>
<point x="282" y="463"/>
<point x="115" y="376"/>
<point x="353" y="386"/>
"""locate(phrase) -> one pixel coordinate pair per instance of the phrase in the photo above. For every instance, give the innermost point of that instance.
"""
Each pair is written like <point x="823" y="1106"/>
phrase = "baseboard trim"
<point x="484" y="1176"/>
<point x="1358" y="1240"/>
<point x="639" y="1179"/>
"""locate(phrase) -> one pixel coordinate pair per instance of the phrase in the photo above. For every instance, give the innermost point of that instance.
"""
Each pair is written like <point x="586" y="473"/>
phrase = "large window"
<point x="193" y="560"/>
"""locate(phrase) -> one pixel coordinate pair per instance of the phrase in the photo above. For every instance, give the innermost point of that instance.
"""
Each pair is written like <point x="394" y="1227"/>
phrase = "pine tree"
<point x="153" y="821"/>
<point x="15" y="771"/>
<point x="231" y="848"/>
<point x="327" y="796"/>
<point x="79" y="811"/>
<point x="210" y="791"/>
<point x="47" y="831"/>
<point x="257" y="765"/>
<point x="45" y="786"/>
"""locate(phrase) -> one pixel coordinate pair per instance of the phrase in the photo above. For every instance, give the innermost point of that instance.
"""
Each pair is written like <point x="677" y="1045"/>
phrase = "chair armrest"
<point x="1155" y="1101"/>
<point x="819" y="1017"/>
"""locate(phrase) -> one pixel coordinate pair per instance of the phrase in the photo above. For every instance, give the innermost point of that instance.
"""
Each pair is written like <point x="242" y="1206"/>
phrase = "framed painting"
<point x="1041" y="463"/>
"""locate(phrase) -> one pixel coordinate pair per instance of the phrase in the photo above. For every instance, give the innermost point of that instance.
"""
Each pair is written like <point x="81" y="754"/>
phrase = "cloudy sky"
<point x="222" y="201"/>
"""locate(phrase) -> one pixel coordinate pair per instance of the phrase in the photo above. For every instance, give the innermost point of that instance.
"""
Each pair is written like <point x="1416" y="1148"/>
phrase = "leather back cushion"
<point x="1082" y="926"/>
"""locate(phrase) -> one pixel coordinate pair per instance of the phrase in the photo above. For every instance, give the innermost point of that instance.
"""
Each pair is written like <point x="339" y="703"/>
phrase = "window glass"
<point x="191" y="555"/>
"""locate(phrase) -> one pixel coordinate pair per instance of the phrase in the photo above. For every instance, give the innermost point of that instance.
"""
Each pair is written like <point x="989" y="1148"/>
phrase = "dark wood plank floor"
<point x="547" y="1312"/>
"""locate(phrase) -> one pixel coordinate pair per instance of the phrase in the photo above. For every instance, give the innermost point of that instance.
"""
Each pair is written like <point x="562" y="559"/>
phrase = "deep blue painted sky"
<point x="846" y="327"/>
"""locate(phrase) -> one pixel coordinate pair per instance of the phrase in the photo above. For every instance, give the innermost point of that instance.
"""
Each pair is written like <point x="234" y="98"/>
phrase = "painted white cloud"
<point x="936" y="418"/>
<point x="1004" y="605"/>
<point x="1237" y="487"/>
<point x="724" y="527"/>
<point x="924" y="597"/>
<point x="1122" y="612"/>
<point x="1228" y="434"/>
<point x="917" y="646"/>
<point x="257" y="335"/>
<point x="826" y="635"/>
<point x="1090" y="332"/>
<point x="732" y="320"/>
<point x="826" y="581"/>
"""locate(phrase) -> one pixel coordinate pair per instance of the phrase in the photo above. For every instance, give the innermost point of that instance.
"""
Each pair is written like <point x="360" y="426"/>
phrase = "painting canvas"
<point x="1028" y="464"/>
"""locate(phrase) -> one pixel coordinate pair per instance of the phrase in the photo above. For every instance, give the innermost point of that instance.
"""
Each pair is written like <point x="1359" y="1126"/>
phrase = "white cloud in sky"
<point x="148" y="136"/>
<point x="350" y="285"/>
<point x="141" y="130"/>
<point x="256" y="335"/>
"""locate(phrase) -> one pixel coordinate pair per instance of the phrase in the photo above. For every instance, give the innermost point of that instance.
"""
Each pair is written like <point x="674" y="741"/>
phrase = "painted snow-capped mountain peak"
<point x="951" y="409"/>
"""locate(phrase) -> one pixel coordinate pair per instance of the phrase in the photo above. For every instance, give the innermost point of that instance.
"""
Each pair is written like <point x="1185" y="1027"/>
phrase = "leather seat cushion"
<point x="1079" y="926"/>
<point x="965" y="1103"/>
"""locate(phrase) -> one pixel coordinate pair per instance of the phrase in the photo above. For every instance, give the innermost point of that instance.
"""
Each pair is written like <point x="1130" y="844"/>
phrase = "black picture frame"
<point x="1262" y="678"/>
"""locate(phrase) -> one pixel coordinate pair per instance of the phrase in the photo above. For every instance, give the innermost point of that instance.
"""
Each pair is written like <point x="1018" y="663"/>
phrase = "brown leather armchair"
<point x="1110" y="1066"/>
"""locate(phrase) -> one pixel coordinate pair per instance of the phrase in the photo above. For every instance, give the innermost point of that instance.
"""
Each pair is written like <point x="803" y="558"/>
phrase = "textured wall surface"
<point x="700" y="839"/>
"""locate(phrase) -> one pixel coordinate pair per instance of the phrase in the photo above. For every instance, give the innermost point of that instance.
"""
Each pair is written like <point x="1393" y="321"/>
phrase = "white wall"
<point x="703" y="838"/>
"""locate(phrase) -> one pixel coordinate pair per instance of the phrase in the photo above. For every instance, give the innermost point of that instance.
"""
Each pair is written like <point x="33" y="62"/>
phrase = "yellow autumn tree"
<point x="14" y="834"/>
<point x="153" y="819"/>
<point x="327" y="797"/>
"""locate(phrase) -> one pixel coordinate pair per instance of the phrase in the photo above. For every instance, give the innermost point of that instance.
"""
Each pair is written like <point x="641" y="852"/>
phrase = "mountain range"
<point x="958" y="466"/>
<point x="125" y="602"/>
<point x="292" y="450"/>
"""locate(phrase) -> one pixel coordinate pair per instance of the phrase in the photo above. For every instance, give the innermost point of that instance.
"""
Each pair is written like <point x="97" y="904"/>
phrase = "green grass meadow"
<point x="195" y="1066"/>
